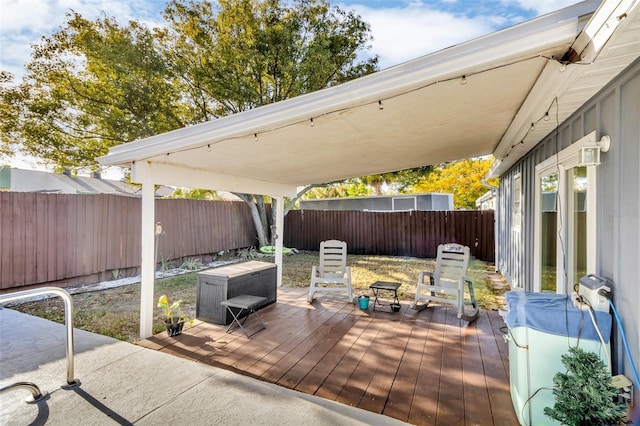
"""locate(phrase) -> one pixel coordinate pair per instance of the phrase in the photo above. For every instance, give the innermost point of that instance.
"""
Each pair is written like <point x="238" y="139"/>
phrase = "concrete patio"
<point x="125" y="384"/>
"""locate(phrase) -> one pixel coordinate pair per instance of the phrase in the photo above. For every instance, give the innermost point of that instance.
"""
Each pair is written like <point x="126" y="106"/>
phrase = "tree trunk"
<point x="259" y="213"/>
<point x="257" y="219"/>
<point x="264" y="223"/>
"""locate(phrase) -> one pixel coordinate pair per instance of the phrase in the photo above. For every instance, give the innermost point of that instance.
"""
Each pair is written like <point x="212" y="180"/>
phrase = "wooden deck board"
<point x="403" y="388"/>
<point x="425" y="399"/>
<point x="425" y="368"/>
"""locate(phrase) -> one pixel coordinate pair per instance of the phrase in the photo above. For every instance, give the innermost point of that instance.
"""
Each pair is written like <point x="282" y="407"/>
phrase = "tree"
<point x="94" y="85"/>
<point x="91" y="86"/>
<point x="397" y="182"/>
<point x="245" y="53"/>
<point x="195" y="194"/>
<point x="10" y="97"/>
<point x="461" y="178"/>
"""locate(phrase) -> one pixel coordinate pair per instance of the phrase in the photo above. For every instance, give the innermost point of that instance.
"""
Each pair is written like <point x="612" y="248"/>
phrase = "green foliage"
<point x="397" y="182"/>
<point x="584" y="395"/>
<point x="195" y="194"/>
<point x="461" y="178"/>
<point x="348" y="188"/>
<point x="248" y="253"/>
<point x="90" y="86"/>
<point x="234" y="55"/>
<point x="192" y="264"/>
<point x="96" y="84"/>
<point x="10" y="106"/>
<point x="171" y="312"/>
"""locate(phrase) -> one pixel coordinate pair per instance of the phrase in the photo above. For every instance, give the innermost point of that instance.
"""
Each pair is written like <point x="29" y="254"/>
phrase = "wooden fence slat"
<point x="414" y="233"/>
<point x="51" y="237"/>
<point x="7" y="243"/>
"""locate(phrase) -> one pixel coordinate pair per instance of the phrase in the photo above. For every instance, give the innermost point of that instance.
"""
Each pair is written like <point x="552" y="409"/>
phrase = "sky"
<point x="402" y="29"/>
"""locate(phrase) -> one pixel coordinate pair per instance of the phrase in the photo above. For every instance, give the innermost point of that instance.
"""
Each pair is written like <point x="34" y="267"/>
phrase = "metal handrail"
<point x="36" y="394"/>
<point x="68" y="320"/>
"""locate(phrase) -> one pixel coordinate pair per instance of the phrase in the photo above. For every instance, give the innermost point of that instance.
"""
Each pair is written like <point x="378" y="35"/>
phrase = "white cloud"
<point x="25" y="21"/>
<point x="416" y="29"/>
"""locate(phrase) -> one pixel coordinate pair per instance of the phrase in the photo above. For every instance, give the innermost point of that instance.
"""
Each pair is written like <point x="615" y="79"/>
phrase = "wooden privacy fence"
<point x="411" y="233"/>
<point x="46" y="238"/>
<point x="52" y="237"/>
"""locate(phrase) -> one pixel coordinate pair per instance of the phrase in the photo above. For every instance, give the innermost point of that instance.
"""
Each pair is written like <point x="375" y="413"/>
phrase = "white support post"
<point x="280" y="236"/>
<point x="142" y="174"/>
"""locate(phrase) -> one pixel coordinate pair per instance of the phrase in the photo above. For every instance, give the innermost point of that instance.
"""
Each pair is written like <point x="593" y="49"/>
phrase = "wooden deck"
<point x="425" y="368"/>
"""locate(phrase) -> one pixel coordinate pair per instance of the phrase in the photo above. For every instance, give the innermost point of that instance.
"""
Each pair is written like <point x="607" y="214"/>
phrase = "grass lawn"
<point x="116" y="312"/>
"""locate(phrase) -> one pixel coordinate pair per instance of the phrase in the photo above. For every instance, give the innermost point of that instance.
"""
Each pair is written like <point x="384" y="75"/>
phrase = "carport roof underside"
<point x="473" y="99"/>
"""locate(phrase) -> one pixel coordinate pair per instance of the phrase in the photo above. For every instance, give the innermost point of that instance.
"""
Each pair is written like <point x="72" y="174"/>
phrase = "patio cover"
<point x="472" y="99"/>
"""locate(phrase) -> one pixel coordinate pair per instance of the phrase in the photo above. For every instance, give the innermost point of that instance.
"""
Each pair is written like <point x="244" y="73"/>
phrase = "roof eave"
<point x="527" y="39"/>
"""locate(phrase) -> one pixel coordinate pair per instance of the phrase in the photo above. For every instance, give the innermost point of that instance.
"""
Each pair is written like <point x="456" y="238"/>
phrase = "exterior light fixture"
<point x="463" y="81"/>
<point x="380" y="106"/>
<point x="590" y="153"/>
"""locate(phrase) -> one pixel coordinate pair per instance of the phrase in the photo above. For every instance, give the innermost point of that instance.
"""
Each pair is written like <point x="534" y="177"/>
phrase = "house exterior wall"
<point x="614" y="111"/>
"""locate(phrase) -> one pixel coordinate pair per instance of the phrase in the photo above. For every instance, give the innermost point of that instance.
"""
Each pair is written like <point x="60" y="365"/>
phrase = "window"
<point x="565" y="224"/>
<point x="516" y="205"/>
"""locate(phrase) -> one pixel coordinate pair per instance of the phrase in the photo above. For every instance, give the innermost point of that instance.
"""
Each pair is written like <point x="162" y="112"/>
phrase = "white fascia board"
<point x="553" y="82"/>
<point x="173" y="175"/>
<point x="601" y="26"/>
<point x="499" y="48"/>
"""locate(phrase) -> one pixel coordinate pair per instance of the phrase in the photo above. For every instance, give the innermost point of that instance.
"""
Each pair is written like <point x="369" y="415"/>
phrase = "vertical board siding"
<point x="604" y="114"/>
<point x="53" y="237"/>
<point x="414" y="233"/>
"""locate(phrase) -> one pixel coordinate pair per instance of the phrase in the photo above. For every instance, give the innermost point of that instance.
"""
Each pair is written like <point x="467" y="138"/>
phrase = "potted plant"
<point x="173" y="318"/>
<point x="584" y="395"/>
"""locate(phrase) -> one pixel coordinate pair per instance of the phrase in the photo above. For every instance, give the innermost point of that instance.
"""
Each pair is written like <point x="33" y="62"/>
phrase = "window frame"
<point x="561" y="163"/>
<point x="516" y="202"/>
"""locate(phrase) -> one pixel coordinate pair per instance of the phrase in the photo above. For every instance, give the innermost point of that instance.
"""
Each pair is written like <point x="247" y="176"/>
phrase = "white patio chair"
<point x="333" y="274"/>
<point x="447" y="283"/>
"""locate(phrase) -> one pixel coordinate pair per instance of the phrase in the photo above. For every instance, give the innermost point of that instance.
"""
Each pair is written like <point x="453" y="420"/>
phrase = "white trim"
<point x="537" y="246"/>
<point x="560" y="163"/>
<point x="183" y="176"/>
<point x="567" y="156"/>
<point x="517" y="227"/>
<point x="563" y="250"/>
<point x="279" y="237"/>
<point x="592" y="214"/>
<point x="143" y="175"/>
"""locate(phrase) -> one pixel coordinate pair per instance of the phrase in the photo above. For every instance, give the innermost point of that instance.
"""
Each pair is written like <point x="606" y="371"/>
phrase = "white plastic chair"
<point x="447" y="283"/>
<point x="333" y="274"/>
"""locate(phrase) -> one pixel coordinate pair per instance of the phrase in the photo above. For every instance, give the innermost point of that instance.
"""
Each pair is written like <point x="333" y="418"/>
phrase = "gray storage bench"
<point x="219" y="284"/>
<point x="247" y="305"/>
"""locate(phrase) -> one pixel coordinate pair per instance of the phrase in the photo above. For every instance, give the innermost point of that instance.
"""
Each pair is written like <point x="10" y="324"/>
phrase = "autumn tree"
<point x="461" y="178"/>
